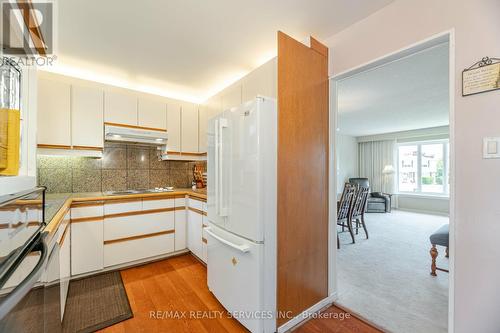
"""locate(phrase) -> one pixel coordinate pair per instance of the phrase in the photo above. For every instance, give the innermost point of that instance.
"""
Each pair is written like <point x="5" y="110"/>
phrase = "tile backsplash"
<point x="122" y="167"/>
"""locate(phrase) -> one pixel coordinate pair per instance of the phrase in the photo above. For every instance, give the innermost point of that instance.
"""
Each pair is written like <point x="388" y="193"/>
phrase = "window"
<point x="423" y="167"/>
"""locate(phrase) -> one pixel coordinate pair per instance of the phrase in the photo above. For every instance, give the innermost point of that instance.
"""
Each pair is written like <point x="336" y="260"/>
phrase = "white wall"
<point x="476" y="212"/>
<point x="347" y="157"/>
<point x="424" y="204"/>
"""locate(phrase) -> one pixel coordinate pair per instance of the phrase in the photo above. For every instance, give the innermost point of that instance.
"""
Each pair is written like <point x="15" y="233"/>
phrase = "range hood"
<point x="135" y="135"/>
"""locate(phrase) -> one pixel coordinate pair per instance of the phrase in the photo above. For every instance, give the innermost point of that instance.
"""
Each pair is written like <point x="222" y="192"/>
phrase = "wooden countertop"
<point x="57" y="204"/>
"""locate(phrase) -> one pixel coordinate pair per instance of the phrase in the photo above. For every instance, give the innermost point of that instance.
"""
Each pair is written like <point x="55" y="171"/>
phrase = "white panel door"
<point x="174" y="126"/>
<point x="202" y="128"/>
<point x="86" y="246"/>
<point x="194" y="242"/>
<point x="189" y="131"/>
<point x="120" y="108"/>
<point x="152" y="113"/>
<point x="208" y="110"/>
<point x="54" y="116"/>
<point x="87" y="116"/>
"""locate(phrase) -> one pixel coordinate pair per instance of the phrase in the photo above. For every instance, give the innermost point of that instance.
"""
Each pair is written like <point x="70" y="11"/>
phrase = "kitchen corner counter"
<point x="57" y="204"/>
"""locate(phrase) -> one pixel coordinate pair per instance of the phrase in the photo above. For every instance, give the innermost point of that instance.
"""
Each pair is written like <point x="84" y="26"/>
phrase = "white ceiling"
<point x="407" y="94"/>
<point x="188" y="49"/>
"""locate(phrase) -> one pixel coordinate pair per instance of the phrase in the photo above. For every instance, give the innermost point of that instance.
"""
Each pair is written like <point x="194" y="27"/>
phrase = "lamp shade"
<point x="388" y="170"/>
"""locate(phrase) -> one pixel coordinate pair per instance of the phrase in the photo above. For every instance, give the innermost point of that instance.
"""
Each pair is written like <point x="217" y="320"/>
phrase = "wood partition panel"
<point x="302" y="278"/>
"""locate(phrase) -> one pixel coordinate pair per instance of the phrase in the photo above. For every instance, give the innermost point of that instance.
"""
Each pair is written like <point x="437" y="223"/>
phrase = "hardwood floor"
<point x="178" y="285"/>
<point x="336" y="322"/>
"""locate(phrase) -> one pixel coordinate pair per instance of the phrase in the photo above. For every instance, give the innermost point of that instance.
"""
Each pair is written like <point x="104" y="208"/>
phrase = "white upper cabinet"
<point x="211" y="108"/>
<point x="189" y="130"/>
<point x="202" y="127"/>
<point x="174" y="126"/>
<point x="87" y="117"/>
<point x="231" y="96"/>
<point x="54" y="120"/>
<point x="152" y="113"/>
<point x="120" y="108"/>
<point x="261" y="81"/>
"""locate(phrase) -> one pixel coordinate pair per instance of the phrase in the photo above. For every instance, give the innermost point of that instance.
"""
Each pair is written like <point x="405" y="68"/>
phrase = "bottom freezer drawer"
<point x="235" y="276"/>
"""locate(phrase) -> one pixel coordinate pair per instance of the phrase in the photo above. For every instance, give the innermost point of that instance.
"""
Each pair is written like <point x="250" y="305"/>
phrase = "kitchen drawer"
<point x="193" y="203"/>
<point x="133" y="225"/>
<point x="142" y="248"/>
<point x="180" y="202"/>
<point x="148" y="204"/>
<point x="87" y="211"/>
<point x="122" y="207"/>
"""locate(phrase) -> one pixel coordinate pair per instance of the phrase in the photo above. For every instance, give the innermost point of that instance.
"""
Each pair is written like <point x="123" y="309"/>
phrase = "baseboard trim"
<point x="304" y="316"/>
<point x="422" y="211"/>
<point x="131" y="264"/>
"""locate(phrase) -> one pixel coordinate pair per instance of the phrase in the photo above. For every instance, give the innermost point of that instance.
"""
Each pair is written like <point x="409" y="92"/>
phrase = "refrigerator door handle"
<point x="242" y="248"/>
<point x="223" y="123"/>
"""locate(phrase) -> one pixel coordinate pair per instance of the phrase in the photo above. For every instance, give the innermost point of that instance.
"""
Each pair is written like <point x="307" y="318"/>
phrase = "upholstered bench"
<point x="439" y="237"/>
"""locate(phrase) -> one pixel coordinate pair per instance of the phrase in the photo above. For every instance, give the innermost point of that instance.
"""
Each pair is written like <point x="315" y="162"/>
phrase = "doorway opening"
<point x="393" y="182"/>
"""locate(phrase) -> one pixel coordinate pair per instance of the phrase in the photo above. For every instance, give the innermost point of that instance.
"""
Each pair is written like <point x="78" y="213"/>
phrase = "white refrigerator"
<point x="242" y="154"/>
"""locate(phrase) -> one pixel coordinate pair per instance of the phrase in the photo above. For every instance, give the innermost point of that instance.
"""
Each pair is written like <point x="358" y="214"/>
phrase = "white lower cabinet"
<point x="136" y="249"/>
<point x="196" y="220"/>
<point x="64" y="259"/>
<point x="138" y="230"/>
<point x="137" y="225"/>
<point x="86" y="239"/>
<point x="194" y="226"/>
<point x="204" y="239"/>
<point x="118" y="232"/>
<point x="180" y="229"/>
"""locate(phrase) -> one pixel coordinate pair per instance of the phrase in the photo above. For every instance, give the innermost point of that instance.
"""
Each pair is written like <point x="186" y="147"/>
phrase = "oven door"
<point x="25" y="297"/>
<point x="29" y="267"/>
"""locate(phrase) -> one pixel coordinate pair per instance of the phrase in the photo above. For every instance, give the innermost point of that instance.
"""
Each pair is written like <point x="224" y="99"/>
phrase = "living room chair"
<point x="377" y="202"/>
<point x="344" y="210"/>
<point x="439" y="237"/>
<point x="359" y="208"/>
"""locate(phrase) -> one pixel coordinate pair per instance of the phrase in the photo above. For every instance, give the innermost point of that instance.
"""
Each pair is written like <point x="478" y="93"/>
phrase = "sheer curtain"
<point x="373" y="157"/>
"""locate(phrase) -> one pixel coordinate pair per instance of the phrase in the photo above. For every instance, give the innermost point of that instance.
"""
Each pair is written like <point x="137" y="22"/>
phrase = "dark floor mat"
<point x="96" y="302"/>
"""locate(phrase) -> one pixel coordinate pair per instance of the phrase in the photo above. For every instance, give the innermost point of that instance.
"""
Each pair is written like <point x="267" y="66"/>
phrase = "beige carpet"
<point x="386" y="279"/>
